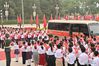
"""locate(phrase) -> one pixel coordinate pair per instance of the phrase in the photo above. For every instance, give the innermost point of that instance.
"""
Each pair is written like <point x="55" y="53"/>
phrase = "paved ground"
<point x="13" y="63"/>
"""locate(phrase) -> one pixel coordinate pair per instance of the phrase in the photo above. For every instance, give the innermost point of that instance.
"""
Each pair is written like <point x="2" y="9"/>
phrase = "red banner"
<point x="44" y="21"/>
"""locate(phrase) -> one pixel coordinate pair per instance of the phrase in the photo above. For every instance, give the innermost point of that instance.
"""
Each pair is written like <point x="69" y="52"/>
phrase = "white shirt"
<point x="71" y="58"/>
<point x="83" y="59"/>
<point x="24" y="49"/>
<point x="59" y="53"/>
<point x="40" y="50"/>
<point x="50" y="52"/>
<point x="29" y="35"/>
<point x="95" y="61"/>
<point x="29" y="48"/>
<point x="2" y="37"/>
<point x="22" y="36"/>
<point x="16" y="46"/>
<point x="16" y="37"/>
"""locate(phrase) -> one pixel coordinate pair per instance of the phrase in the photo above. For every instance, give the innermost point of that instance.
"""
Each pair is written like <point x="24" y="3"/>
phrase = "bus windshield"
<point x="94" y="28"/>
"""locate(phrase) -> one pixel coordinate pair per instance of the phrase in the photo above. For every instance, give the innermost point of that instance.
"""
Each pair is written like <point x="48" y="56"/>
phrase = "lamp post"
<point x="57" y="9"/>
<point x="1" y="17"/>
<point x="6" y="5"/>
<point x="22" y="12"/>
<point x="34" y="12"/>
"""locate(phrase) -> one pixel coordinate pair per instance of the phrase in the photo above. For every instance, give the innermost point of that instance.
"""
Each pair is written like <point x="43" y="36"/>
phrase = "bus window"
<point x="59" y="26"/>
<point x="74" y="27"/>
<point x="51" y="26"/>
<point x="65" y="26"/>
<point x="84" y="29"/>
<point x="80" y="28"/>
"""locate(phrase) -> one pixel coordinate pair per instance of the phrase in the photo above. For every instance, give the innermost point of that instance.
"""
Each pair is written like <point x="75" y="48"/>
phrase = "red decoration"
<point x="31" y="20"/>
<point x="44" y="21"/>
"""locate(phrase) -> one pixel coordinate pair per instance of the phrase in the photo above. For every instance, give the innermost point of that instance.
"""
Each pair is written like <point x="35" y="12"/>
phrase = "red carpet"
<point x="2" y="55"/>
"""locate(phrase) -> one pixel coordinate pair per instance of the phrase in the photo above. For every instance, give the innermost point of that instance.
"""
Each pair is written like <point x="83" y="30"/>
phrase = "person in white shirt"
<point x="50" y="55"/>
<point x="95" y="61"/>
<point x="16" y="37"/>
<point x="35" y="55"/>
<point x="29" y="37"/>
<point x="24" y="50"/>
<point x="83" y="57"/>
<point x="59" y="56"/>
<point x="91" y="55"/>
<point x="71" y="58"/>
<point x="22" y="37"/>
<point x="29" y="54"/>
<point x="42" y="57"/>
<point x="16" y="50"/>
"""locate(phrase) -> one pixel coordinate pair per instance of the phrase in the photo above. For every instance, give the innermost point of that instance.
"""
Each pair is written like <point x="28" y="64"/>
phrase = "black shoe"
<point x="28" y="65"/>
<point x="32" y="61"/>
<point x="16" y="61"/>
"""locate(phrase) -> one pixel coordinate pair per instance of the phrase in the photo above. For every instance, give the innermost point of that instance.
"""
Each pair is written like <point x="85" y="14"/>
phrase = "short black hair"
<point x="96" y="53"/>
<point x="93" y="49"/>
<point x="71" y="44"/>
<point x="82" y="48"/>
<point x="58" y="46"/>
<point x="70" y="50"/>
<point x="24" y="43"/>
<point x="92" y="45"/>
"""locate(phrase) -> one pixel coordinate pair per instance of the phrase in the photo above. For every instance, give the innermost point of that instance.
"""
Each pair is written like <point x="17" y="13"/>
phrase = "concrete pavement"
<point x="13" y="63"/>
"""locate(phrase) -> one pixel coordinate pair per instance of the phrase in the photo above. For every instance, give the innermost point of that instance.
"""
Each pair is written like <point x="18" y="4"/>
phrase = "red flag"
<point x="37" y="20"/>
<point x="31" y="20"/>
<point x="78" y="17"/>
<point x="88" y="17"/>
<point x="19" y="19"/>
<point x="59" y="17"/>
<point x="97" y="17"/>
<point x="44" y="21"/>
<point x="66" y="17"/>
<point x="51" y="18"/>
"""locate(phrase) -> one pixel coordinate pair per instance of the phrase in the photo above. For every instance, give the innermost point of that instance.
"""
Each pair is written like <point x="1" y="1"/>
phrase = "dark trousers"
<point x="23" y="57"/>
<point x="2" y="44"/>
<point x="71" y="64"/>
<point x="8" y="57"/>
<point x="63" y="62"/>
<point x="82" y="65"/>
<point x="89" y="65"/>
<point x="8" y="62"/>
<point x="51" y="60"/>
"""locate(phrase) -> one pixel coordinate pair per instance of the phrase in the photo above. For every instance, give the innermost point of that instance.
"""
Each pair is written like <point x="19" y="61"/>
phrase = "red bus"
<point x="73" y="27"/>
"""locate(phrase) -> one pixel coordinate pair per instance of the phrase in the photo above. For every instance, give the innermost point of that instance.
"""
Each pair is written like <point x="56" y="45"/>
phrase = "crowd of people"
<point x="49" y="50"/>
